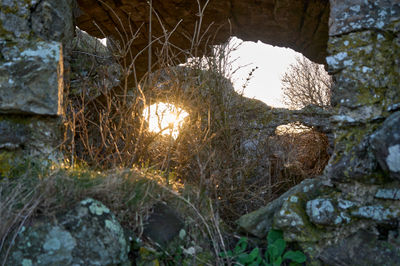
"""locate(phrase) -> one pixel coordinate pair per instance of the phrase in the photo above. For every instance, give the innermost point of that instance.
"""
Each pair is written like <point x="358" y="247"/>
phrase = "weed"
<point x="274" y="255"/>
<point x="240" y="256"/>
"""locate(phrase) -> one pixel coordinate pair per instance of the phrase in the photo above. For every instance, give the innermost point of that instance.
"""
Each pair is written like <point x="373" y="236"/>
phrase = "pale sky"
<point x="265" y="84"/>
<point x="272" y="63"/>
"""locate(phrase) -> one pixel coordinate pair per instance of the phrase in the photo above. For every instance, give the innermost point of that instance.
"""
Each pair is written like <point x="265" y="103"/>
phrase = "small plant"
<point x="240" y="256"/>
<point x="275" y="251"/>
<point x="274" y="255"/>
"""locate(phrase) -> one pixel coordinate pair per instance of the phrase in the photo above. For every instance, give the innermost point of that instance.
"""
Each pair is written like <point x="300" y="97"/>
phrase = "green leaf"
<point x="255" y="263"/>
<point x="244" y="258"/>
<point x="274" y="235"/>
<point x="258" y="260"/>
<point x="265" y="263"/>
<point x="277" y="262"/>
<point x="273" y="253"/>
<point x="280" y="245"/>
<point x="267" y="257"/>
<point x="254" y="254"/>
<point x="227" y="254"/>
<point x="296" y="256"/>
<point x="240" y="246"/>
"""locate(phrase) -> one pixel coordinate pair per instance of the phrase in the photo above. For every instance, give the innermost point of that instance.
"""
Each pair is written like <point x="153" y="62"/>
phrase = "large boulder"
<point x="89" y="234"/>
<point x="259" y="222"/>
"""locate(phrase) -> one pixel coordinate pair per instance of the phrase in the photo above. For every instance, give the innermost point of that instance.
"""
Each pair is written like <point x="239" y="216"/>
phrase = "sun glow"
<point x="165" y="118"/>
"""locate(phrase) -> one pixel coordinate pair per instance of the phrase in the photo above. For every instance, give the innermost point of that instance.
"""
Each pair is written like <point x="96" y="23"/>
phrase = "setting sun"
<point x="165" y="118"/>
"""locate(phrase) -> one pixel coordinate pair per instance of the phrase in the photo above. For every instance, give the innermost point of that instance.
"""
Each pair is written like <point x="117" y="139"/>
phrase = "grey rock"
<point x="388" y="193"/>
<point x="12" y="135"/>
<point x="385" y="144"/>
<point x="346" y="168"/>
<point x="89" y="234"/>
<point x="31" y="78"/>
<point x="31" y="135"/>
<point x="321" y="211"/>
<point x="394" y="107"/>
<point x="14" y="19"/>
<point x="259" y="222"/>
<point x="49" y="20"/>
<point x="89" y="55"/>
<point x="377" y="213"/>
<point x="52" y="20"/>
<point x="31" y="59"/>
<point x="15" y="25"/>
<point x="330" y="211"/>
<point x="352" y="15"/>
<point x="163" y="224"/>
<point x="362" y="248"/>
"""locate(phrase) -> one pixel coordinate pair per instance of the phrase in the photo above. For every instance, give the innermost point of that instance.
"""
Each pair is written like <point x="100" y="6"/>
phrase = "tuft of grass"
<point x="129" y="193"/>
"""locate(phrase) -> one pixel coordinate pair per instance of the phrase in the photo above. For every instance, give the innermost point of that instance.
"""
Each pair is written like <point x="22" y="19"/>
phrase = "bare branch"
<point x="305" y="83"/>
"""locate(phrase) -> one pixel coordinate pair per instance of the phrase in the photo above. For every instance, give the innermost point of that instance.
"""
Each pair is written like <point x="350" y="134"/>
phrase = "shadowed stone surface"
<point x="32" y="38"/>
<point x="299" y="24"/>
<point x="362" y="248"/>
<point x="163" y="224"/>
<point x="386" y="145"/>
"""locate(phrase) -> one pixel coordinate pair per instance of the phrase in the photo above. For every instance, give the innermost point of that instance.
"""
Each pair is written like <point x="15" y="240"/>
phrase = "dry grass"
<point x="105" y="129"/>
<point x="130" y="195"/>
<point x="306" y="150"/>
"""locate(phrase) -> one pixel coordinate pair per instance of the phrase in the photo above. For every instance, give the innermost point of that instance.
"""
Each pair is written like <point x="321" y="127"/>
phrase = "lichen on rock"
<point x="89" y="234"/>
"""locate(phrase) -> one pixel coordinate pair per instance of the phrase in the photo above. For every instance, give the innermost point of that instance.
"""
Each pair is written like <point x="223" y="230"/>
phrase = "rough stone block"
<point x="361" y="248"/>
<point x="14" y="19"/>
<point x="49" y="20"/>
<point x="366" y="83"/>
<point x="259" y="222"/>
<point x="31" y="78"/>
<point x="33" y="135"/>
<point x="354" y="15"/>
<point x="163" y="224"/>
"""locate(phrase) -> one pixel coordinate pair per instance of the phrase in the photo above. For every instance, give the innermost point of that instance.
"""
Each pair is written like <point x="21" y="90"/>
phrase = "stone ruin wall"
<point x="350" y="216"/>
<point x="355" y="207"/>
<point x="32" y="37"/>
